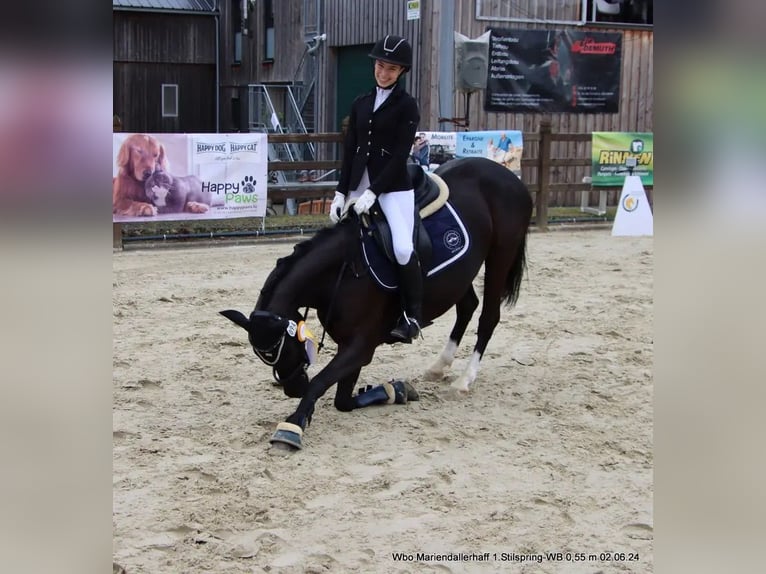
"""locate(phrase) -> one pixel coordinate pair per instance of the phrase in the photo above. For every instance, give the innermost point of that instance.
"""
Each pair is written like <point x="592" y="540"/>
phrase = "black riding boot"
<point x="411" y="290"/>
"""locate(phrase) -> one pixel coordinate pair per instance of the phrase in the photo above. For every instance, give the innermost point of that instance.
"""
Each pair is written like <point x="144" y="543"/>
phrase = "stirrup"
<point x="406" y="330"/>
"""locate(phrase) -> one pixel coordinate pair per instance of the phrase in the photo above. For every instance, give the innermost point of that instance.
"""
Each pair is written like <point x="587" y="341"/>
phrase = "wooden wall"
<point x="354" y="22"/>
<point x="288" y="30"/>
<point x="138" y="97"/>
<point x="161" y="37"/>
<point x="254" y="68"/>
<point x="636" y="107"/>
<point x="151" y="49"/>
<point x="636" y="110"/>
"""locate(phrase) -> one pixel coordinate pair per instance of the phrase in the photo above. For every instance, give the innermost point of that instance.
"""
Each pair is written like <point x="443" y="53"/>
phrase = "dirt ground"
<point x="551" y="451"/>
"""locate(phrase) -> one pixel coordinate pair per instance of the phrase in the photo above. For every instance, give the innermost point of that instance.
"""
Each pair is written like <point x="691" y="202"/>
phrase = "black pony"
<point x="326" y="273"/>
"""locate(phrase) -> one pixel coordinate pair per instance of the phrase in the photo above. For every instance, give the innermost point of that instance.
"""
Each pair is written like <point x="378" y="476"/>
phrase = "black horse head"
<point x="285" y="345"/>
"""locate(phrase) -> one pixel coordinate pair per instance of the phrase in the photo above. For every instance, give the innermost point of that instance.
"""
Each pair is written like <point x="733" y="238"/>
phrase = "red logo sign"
<point x="590" y="46"/>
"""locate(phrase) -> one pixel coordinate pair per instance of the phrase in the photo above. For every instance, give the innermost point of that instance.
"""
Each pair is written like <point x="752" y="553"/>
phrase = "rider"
<point x="381" y="129"/>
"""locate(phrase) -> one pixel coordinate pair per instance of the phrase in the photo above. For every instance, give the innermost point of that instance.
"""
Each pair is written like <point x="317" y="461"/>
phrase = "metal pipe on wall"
<point x="217" y="66"/>
<point x="446" y="63"/>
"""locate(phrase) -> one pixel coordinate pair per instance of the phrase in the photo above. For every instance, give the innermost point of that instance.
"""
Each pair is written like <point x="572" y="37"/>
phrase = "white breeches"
<point x="399" y="209"/>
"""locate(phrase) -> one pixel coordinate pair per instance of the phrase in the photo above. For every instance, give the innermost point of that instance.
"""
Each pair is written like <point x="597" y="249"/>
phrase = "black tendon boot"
<point x="411" y="290"/>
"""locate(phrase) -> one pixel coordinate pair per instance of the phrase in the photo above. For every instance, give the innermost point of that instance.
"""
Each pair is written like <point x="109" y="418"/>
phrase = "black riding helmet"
<point x="394" y="50"/>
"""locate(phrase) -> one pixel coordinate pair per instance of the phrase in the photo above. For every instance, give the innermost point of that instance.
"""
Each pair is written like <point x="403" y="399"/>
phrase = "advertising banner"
<point x="503" y="146"/>
<point x="160" y="177"/>
<point x="614" y="152"/>
<point x="553" y="71"/>
<point x="431" y="149"/>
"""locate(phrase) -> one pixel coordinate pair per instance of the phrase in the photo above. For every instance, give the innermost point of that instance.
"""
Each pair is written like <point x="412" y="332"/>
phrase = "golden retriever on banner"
<point x="139" y="157"/>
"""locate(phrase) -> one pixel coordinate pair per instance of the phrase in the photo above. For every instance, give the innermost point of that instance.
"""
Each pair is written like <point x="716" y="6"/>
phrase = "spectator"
<point x="420" y="150"/>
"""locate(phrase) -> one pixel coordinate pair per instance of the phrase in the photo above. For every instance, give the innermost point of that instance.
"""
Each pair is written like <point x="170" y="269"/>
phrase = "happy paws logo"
<point x="248" y="184"/>
<point x="243" y="192"/>
<point x="233" y="189"/>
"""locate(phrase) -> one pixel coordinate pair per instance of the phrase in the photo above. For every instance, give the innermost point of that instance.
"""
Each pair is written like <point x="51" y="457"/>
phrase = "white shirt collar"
<point x="381" y="95"/>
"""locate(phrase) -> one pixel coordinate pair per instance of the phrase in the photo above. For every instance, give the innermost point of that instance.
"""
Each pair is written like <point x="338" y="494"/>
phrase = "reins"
<point x="331" y="306"/>
<point x="334" y="293"/>
<point x="327" y="320"/>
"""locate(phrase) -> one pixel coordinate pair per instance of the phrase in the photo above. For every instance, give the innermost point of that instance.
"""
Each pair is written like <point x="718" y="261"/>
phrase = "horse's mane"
<point x="286" y="264"/>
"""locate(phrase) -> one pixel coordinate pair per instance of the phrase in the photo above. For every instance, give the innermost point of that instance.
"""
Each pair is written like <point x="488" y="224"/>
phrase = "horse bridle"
<point x="266" y="355"/>
<point x="272" y="355"/>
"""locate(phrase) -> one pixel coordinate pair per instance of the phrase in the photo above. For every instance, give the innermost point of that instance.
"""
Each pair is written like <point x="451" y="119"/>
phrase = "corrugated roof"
<point x="180" y="5"/>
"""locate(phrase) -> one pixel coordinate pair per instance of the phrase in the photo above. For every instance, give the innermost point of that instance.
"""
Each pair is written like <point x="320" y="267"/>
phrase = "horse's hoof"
<point x="412" y="393"/>
<point x="282" y="449"/>
<point x="435" y="376"/>
<point x="458" y="390"/>
<point x="288" y="434"/>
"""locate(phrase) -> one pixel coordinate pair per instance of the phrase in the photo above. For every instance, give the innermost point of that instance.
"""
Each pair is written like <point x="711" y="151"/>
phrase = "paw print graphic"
<point x="248" y="184"/>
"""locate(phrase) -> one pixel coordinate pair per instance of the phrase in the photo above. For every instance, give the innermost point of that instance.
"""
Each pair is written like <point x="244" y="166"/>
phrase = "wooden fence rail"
<point x="537" y="164"/>
<point x="306" y="190"/>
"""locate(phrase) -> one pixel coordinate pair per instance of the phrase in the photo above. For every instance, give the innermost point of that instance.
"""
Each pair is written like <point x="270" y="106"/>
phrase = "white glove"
<point x="365" y="202"/>
<point x="336" y="207"/>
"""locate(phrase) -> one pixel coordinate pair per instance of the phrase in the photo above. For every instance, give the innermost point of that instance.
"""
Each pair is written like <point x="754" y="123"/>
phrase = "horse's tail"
<point x="516" y="274"/>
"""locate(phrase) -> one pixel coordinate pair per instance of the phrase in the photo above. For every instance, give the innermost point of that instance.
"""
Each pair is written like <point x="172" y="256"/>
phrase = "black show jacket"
<point x="380" y="141"/>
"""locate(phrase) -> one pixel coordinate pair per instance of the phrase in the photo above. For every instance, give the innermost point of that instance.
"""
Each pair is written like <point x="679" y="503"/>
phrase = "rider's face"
<point x="386" y="74"/>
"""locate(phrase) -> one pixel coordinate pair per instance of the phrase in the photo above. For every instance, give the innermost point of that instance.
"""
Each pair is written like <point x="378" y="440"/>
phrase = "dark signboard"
<point x="553" y="71"/>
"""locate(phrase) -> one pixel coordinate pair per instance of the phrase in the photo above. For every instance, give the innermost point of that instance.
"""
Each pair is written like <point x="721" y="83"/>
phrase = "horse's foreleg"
<point x="345" y="366"/>
<point x="464" y="309"/>
<point x="344" y="401"/>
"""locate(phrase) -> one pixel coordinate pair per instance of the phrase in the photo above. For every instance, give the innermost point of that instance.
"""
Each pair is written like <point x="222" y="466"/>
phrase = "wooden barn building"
<point x="296" y="65"/>
<point x="165" y="65"/>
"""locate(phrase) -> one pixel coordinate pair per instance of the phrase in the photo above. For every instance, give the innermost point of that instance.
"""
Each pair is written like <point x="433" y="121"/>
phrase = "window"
<point x="237" y="47"/>
<point x="169" y="100"/>
<point x="237" y="24"/>
<point x="268" y="28"/>
<point x="568" y="12"/>
<point x="621" y="11"/>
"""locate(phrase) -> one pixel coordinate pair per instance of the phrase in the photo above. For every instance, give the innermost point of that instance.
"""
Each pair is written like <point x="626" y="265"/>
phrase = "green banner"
<point x="613" y="152"/>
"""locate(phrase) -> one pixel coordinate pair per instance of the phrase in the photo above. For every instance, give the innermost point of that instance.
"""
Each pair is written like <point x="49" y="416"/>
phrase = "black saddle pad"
<point x="449" y="241"/>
